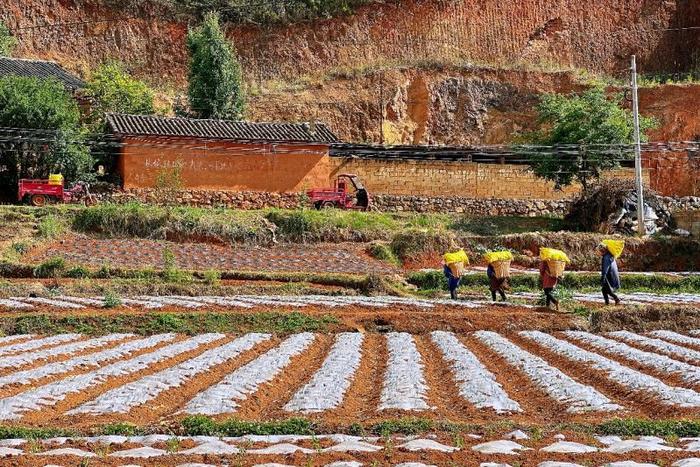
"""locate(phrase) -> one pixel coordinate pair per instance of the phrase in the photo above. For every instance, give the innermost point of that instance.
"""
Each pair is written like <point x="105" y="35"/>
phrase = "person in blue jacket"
<point x="609" y="275"/>
<point x="452" y="281"/>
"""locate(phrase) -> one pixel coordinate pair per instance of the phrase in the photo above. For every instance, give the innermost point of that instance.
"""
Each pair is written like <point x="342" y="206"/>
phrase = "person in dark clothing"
<point x="609" y="275"/>
<point x="452" y="281"/>
<point x="496" y="284"/>
<point x="548" y="283"/>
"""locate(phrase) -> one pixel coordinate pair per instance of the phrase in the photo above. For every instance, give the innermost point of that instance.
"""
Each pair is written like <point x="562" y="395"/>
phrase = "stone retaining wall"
<point x="385" y="203"/>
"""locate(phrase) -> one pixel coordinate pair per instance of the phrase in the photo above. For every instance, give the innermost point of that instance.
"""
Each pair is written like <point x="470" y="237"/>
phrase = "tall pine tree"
<point x="215" y="78"/>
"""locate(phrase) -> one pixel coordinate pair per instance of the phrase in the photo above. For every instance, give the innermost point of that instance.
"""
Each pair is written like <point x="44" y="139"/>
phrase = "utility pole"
<point x="641" y="229"/>
<point x="381" y="110"/>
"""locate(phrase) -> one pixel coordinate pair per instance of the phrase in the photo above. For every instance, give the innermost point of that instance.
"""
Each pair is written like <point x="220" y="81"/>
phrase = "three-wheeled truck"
<point x="52" y="190"/>
<point x="340" y="195"/>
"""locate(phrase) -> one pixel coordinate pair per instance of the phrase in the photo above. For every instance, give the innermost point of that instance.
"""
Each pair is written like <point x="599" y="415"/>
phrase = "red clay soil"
<point x="139" y="254"/>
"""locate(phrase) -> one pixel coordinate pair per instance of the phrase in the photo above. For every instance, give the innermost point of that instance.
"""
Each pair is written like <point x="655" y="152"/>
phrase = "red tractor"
<point x="341" y="195"/>
<point x="42" y="192"/>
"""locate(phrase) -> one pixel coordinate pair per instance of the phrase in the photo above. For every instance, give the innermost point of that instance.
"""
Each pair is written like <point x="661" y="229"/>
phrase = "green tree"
<point x="114" y="90"/>
<point x="7" y="41"/>
<point x="598" y="126"/>
<point x="215" y="78"/>
<point x="56" y="142"/>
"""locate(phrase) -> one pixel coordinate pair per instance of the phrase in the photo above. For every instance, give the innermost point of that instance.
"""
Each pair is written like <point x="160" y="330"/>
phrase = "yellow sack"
<point x="55" y="179"/>
<point x="493" y="256"/>
<point x="615" y="247"/>
<point x="551" y="254"/>
<point x="456" y="257"/>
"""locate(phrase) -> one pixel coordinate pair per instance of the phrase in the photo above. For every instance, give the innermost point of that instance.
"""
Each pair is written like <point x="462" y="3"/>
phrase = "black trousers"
<point x="501" y="292"/>
<point x="549" y="298"/>
<point x="607" y="293"/>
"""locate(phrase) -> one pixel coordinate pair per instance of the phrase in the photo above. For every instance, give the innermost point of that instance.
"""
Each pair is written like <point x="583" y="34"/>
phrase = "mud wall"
<point x="222" y="166"/>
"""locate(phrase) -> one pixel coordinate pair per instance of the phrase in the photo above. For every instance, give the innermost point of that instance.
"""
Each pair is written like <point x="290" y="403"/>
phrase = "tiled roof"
<point x="39" y="69"/>
<point x="140" y="125"/>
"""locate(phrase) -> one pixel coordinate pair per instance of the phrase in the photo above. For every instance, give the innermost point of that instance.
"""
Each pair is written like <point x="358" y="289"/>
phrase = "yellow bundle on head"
<point x="615" y="247"/>
<point x="456" y="257"/>
<point x="493" y="256"/>
<point x="551" y="254"/>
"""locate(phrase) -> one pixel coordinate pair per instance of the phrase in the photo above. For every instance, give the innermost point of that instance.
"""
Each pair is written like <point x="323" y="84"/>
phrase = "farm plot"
<point x="341" y="450"/>
<point x="138" y="254"/>
<point x="205" y="375"/>
<point x="634" y="298"/>
<point x="237" y="301"/>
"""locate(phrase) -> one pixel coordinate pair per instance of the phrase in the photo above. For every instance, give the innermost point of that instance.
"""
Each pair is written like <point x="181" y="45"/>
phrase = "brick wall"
<point x="463" y="179"/>
<point x="224" y="166"/>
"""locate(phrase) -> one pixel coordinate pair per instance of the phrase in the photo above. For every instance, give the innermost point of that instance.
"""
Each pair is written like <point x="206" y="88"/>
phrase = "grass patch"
<point x="10" y="432"/>
<point x="50" y="226"/>
<point x="505" y="225"/>
<point x="405" y="426"/>
<point x="156" y="323"/>
<point x="642" y="427"/>
<point x="200" y="425"/>
<point x="122" y="429"/>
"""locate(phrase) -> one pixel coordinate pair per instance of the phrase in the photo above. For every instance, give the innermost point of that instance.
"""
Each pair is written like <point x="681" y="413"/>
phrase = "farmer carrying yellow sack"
<point x="553" y="263"/>
<point x="498" y="272"/>
<point x="454" y="263"/>
<point x="609" y="251"/>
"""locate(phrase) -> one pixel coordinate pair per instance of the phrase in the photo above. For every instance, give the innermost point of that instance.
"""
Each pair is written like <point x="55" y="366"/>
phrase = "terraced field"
<point x="528" y="376"/>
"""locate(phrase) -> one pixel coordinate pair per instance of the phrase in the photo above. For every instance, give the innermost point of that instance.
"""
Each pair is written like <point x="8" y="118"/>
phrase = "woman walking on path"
<point x="454" y="262"/>
<point x="496" y="284"/>
<point x="548" y="282"/>
<point x="609" y="273"/>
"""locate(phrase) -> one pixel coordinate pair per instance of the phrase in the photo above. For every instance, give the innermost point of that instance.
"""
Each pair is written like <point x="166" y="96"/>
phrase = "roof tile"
<point x="143" y="125"/>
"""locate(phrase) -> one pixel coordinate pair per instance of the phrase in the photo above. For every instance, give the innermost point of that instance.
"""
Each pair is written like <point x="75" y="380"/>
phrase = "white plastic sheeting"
<point x="578" y="397"/>
<point x="171" y="301"/>
<point x="90" y="360"/>
<point x="12" y="408"/>
<point x="6" y="340"/>
<point x="53" y="302"/>
<point x="124" y="398"/>
<point x="404" y="382"/>
<point x="476" y="383"/>
<point x="675" y="337"/>
<point x="66" y="349"/>
<point x="661" y="363"/>
<point x="224" y="396"/>
<point x="658" y="345"/>
<point x="330" y="383"/>
<point x="11" y="303"/>
<point x="620" y="374"/>
<point x="37" y="343"/>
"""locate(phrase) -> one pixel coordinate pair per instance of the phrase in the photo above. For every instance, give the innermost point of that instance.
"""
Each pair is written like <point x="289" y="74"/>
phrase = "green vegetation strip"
<point x="200" y="425"/>
<point x="154" y="323"/>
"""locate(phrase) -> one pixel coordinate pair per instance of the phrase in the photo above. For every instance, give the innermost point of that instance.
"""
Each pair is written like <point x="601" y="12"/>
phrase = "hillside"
<point x="449" y="72"/>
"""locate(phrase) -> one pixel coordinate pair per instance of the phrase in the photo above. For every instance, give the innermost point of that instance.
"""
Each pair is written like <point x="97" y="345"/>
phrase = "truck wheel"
<point x="327" y="205"/>
<point x="317" y="205"/>
<point x="38" y="200"/>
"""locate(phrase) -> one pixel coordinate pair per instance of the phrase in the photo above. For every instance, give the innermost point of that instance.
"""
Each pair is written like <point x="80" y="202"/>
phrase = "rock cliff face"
<point x="596" y="35"/>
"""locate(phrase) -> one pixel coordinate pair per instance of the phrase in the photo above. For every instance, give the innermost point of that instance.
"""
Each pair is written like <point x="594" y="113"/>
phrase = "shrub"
<point x="78" y="272"/>
<point x="50" y="268"/>
<point x="382" y="251"/>
<point x="406" y="426"/>
<point x="212" y="277"/>
<point x="111" y="300"/>
<point x="640" y="427"/>
<point x="121" y="429"/>
<point x="7" y="41"/>
<point x="50" y="227"/>
<point x="20" y="248"/>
